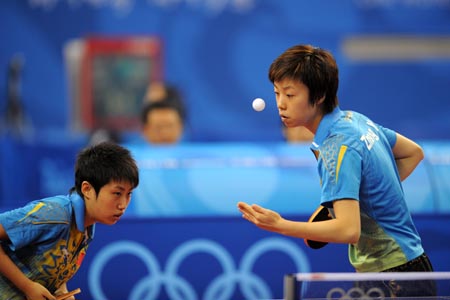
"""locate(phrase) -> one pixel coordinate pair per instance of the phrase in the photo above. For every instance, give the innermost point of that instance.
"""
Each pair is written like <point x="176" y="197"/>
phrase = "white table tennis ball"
<point x="258" y="104"/>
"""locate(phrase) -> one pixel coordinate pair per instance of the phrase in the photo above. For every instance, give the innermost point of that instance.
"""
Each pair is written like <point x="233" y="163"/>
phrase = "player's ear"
<point x="321" y="100"/>
<point x="88" y="190"/>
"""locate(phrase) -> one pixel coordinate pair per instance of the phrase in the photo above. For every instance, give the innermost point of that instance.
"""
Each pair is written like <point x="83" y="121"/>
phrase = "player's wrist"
<point x="287" y="227"/>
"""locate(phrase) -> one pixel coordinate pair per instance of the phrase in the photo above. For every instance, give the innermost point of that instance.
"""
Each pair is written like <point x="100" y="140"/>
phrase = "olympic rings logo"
<point x="355" y="293"/>
<point x="221" y="287"/>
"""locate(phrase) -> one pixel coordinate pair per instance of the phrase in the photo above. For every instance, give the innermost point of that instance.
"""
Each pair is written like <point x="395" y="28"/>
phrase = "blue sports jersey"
<point x="47" y="241"/>
<point x="355" y="161"/>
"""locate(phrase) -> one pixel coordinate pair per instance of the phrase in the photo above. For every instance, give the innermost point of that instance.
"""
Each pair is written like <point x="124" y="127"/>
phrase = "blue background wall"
<point x="218" y="53"/>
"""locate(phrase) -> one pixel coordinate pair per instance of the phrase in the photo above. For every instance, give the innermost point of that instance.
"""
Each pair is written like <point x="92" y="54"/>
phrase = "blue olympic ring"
<point x="221" y="288"/>
<point x="109" y="252"/>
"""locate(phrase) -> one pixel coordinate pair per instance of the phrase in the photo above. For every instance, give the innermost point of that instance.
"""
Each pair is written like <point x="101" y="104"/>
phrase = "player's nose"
<point x="281" y="102"/>
<point x="122" y="205"/>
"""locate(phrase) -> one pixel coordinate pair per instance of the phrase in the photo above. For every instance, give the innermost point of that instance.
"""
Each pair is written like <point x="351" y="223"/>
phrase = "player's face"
<point x="293" y="104"/>
<point x="110" y="203"/>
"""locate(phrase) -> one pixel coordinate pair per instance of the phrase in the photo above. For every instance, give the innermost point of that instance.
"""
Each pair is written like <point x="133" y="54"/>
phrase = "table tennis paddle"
<point x="321" y="214"/>
<point x="69" y="294"/>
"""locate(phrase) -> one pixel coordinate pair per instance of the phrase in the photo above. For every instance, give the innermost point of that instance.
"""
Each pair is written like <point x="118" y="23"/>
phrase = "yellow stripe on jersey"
<point x="340" y="157"/>
<point x="35" y="209"/>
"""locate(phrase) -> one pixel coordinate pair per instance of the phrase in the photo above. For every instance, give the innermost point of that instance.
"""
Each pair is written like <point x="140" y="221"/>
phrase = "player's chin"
<point x="287" y="121"/>
<point x="111" y="220"/>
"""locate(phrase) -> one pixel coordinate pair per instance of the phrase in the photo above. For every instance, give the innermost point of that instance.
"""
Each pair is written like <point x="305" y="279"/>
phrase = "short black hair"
<point x="163" y="104"/>
<point x="314" y="67"/>
<point x="103" y="163"/>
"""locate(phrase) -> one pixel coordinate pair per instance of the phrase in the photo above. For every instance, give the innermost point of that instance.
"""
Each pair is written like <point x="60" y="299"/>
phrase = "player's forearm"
<point x="9" y="270"/>
<point x="332" y="231"/>
<point x="406" y="166"/>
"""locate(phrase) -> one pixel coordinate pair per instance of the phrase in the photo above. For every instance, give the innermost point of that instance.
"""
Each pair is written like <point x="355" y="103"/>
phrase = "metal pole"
<point x="290" y="287"/>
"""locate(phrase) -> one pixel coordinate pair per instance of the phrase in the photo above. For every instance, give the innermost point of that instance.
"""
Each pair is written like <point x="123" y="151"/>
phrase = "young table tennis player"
<point x="361" y="165"/>
<point x="43" y="243"/>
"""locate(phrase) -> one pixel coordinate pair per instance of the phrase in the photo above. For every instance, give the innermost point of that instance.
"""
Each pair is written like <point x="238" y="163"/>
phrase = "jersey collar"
<point x="322" y="131"/>
<point x="79" y="209"/>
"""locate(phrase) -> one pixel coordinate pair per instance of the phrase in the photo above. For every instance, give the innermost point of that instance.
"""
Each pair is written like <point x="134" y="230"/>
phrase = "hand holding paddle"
<point x="321" y="214"/>
<point x="69" y="294"/>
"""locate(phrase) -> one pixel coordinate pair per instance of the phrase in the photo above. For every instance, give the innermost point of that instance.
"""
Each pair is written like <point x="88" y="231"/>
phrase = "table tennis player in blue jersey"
<point x="43" y="243"/>
<point x="361" y="166"/>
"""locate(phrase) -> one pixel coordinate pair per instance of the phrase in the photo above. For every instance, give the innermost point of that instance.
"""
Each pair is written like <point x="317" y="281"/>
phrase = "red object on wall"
<point x="115" y="74"/>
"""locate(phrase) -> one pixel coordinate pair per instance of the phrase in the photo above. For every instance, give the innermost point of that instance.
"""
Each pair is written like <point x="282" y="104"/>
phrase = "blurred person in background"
<point x="162" y="118"/>
<point x="162" y="123"/>
<point x="160" y="91"/>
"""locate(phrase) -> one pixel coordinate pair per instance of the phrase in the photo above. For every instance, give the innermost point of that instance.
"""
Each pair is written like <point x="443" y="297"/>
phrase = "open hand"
<point x="263" y="218"/>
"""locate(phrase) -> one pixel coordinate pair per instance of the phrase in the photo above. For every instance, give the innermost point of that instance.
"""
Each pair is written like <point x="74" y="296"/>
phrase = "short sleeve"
<point x="390" y="135"/>
<point x="36" y="222"/>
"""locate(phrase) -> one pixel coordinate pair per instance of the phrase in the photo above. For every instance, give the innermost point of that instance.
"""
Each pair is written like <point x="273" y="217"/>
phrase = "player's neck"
<point x="314" y="124"/>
